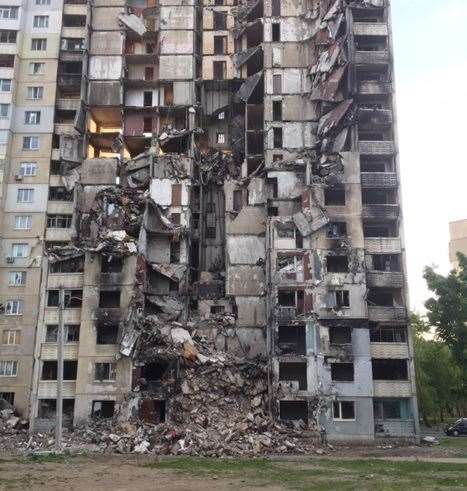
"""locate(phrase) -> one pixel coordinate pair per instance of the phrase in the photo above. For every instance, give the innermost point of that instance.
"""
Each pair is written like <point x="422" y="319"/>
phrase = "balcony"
<point x="64" y="129"/>
<point x="68" y="104"/>
<point x="385" y="279"/>
<point x="370" y="29"/>
<point x="67" y="280"/>
<point x="380" y="212"/>
<point x="55" y="154"/>
<point x="78" y="7"/>
<point x="397" y="351"/>
<point x="58" y="234"/>
<point x="386" y="314"/>
<point x="371" y="87"/>
<point x="372" y="57"/>
<point x="379" y="179"/>
<point x="49" y="351"/>
<point x="383" y="245"/>
<point x="48" y="389"/>
<point x="376" y="147"/>
<point x="285" y="314"/>
<point x="374" y="117"/>
<point x="391" y="388"/>
<point x="68" y="80"/>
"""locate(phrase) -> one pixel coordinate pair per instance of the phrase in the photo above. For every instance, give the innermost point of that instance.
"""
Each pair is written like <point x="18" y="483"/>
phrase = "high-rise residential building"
<point x="458" y="242"/>
<point x="228" y="165"/>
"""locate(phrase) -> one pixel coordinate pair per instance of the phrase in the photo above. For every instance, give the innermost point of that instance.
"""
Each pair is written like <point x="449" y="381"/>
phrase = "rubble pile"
<point x="218" y="407"/>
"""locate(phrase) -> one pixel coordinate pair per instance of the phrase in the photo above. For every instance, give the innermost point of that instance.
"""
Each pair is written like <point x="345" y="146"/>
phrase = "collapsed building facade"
<point x="230" y="169"/>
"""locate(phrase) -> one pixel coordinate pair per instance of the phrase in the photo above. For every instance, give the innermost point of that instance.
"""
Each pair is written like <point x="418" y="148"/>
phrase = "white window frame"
<point x="31" y="139"/>
<point x="7" y="11"/>
<point x="4" y="114"/>
<point x="14" y="307"/>
<point x="32" y="117"/>
<point x="39" y="64"/>
<point x="23" y="222"/>
<point x="28" y="169"/>
<point x="220" y="138"/>
<point x="17" y="278"/>
<point x="25" y="195"/>
<point x="20" y="246"/>
<point x="40" y="21"/>
<point x="12" y="336"/>
<point x="8" y="368"/>
<point x="5" y="82"/>
<point x="35" y="93"/>
<point x="38" y="44"/>
<point x="340" y="418"/>
<point x="112" y="371"/>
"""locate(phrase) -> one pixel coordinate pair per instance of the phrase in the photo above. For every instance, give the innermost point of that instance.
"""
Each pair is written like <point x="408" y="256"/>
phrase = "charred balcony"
<point x="374" y="115"/>
<point x="379" y="179"/>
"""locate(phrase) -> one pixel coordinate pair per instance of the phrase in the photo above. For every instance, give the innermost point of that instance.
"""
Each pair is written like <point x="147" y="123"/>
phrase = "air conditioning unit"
<point x="19" y="177"/>
<point x="10" y="259"/>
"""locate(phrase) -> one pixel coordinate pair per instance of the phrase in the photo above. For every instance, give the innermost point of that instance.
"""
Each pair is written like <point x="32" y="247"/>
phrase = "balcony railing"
<point x="371" y="57"/>
<point x="379" y="179"/>
<point x="383" y="212"/>
<point x="372" y="87"/>
<point x="386" y="314"/>
<point x="385" y="279"/>
<point x="376" y="147"/>
<point x="370" y="29"/>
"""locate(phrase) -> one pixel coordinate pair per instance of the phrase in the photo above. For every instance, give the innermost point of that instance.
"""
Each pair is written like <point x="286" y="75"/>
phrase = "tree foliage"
<point x="438" y="375"/>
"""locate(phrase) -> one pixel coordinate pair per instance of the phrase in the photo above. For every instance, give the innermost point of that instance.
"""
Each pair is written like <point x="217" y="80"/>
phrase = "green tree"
<point x="447" y="309"/>
<point x="438" y="376"/>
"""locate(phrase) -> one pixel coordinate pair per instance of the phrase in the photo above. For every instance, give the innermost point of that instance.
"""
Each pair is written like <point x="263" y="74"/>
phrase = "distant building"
<point x="458" y="242"/>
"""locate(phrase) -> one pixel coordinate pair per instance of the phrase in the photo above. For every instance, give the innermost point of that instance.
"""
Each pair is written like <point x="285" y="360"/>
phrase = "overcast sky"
<point x="431" y="73"/>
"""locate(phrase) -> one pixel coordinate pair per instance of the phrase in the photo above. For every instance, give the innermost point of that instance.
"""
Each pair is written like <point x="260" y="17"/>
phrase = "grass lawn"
<point x="324" y="474"/>
<point x="458" y="443"/>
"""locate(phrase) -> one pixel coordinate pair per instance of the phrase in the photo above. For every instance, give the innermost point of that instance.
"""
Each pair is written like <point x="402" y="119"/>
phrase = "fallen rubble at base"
<point x="219" y="404"/>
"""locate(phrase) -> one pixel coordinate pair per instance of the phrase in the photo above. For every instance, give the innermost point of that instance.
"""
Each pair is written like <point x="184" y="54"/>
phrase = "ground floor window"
<point x="343" y="410"/>
<point x="392" y="409"/>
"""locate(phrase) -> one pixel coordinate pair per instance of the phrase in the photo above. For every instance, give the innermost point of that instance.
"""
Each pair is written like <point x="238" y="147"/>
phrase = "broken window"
<point x="220" y="45"/>
<point x="105" y="371"/>
<point x="337" y="230"/>
<point x="102" y="409"/>
<point x="343" y="410"/>
<point x="272" y="187"/>
<point x="373" y="230"/>
<point x="147" y="125"/>
<point x="386" y="262"/>
<point x="390" y="369"/>
<point x="111" y="264"/>
<point x="277" y="110"/>
<point x="337" y="264"/>
<point x="71" y="333"/>
<point x="109" y="299"/>
<point x="58" y="193"/>
<point x="147" y="99"/>
<point x="334" y="197"/>
<point x="342" y="372"/>
<point x="369" y="164"/>
<point x="219" y="70"/>
<point x="292" y="339"/>
<point x="238" y="200"/>
<point x="276" y="8"/>
<point x="276" y="32"/>
<point x="74" y="265"/>
<point x="175" y="251"/>
<point x="391" y="409"/>
<point x="373" y="15"/>
<point x="107" y="333"/>
<point x="49" y="370"/>
<point x="220" y="21"/>
<point x="388" y="334"/>
<point x="294" y="372"/>
<point x="220" y="138"/>
<point x="277" y="137"/>
<point x="340" y="335"/>
<point x="273" y="211"/>
<point x="154" y="371"/>
<point x="379" y="197"/>
<point x="381" y="297"/>
<point x="293" y="411"/>
<point x="168" y="94"/>
<point x="47" y="408"/>
<point x="176" y="194"/>
<point x="72" y="298"/>
<point x="370" y="43"/>
<point x="59" y="221"/>
<point x="8" y="397"/>
<point x="149" y="75"/>
<point x="277" y="84"/>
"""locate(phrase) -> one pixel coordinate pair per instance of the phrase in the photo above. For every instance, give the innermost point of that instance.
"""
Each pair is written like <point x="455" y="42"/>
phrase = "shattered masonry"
<point x="236" y="242"/>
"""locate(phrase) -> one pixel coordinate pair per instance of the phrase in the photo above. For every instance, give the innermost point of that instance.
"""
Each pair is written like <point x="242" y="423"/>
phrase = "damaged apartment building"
<point x="229" y="167"/>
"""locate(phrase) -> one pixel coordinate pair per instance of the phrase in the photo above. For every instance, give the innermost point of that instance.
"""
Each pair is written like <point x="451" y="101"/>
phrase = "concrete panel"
<point x="105" y="67"/>
<point x="173" y="17"/>
<point x="179" y="67"/>
<point x="246" y="250"/>
<point x="245" y="280"/>
<point x="250" y="221"/>
<point x="106" y="18"/>
<point x="106" y="43"/>
<point x="177" y="42"/>
<point x="251" y="311"/>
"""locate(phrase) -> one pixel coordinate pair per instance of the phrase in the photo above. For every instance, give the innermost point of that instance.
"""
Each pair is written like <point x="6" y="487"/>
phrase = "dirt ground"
<point x="362" y="468"/>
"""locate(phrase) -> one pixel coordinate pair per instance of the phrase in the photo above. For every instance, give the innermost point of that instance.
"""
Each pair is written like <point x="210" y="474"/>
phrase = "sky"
<point x="430" y="54"/>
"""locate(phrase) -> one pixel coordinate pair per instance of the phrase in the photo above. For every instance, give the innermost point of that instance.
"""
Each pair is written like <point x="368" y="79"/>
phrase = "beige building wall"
<point x="458" y="240"/>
